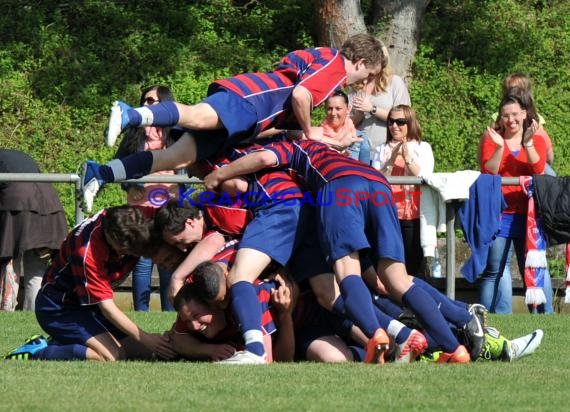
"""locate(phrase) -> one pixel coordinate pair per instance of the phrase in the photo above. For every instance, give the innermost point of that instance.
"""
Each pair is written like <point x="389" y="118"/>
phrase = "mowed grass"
<point x="538" y="382"/>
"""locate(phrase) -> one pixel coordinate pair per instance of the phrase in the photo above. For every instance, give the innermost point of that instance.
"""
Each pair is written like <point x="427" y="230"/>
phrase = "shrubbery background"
<point x="63" y="63"/>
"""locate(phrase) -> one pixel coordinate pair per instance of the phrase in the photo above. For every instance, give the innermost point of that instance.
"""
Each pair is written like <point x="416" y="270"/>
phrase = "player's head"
<point x="210" y="280"/>
<point x="179" y="225"/>
<point x="364" y="57"/>
<point x="128" y="230"/>
<point x="198" y="316"/>
<point x="165" y="255"/>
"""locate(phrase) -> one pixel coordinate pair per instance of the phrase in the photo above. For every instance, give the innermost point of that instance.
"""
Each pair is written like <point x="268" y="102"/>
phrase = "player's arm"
<point x="204" y="250"/>
<point x="250" y="163"/>
<point x="191" y="348"/>
<point x="156" y="343"/>
<point x="302" y="104"/>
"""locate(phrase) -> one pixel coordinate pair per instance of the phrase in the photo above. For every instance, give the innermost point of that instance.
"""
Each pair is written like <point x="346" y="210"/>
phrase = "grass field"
<point x="538" y="382"/>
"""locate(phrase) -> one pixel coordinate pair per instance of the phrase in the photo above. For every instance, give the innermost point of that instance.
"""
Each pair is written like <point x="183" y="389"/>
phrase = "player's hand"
<point x="174" y="287"/>
<point x="221" y="351"/>
<point x="283" y="297"/>
<point x="316" y="133"/>
<point x="347" y="139"/>
<point x="212" y="181"/>
<point x="159" y="344"/>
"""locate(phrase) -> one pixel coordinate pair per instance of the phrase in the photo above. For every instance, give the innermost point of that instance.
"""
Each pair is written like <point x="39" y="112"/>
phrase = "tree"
<point x="337" y="20"/>
<point x="396" y="22"/>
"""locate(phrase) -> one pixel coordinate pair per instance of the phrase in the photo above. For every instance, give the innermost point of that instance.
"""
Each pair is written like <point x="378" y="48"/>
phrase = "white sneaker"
<point x="245" y="358"/>
<point x="526" y="345"/>
<point x="118" y="120"/>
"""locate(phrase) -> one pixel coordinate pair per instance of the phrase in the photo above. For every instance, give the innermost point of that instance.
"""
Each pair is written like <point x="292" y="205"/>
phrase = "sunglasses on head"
<point x="151" y="100"/>
<point x="399" y="122"/>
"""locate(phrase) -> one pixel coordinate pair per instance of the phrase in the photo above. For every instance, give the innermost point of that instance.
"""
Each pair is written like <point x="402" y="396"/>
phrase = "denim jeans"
<point x="360" y="150"/>
<point x="141" y="277"/>
<point x="496" y="291"/>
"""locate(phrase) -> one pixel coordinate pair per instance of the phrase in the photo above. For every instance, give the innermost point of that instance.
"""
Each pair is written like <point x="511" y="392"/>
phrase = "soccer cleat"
<point x="430" y="357"/>
<point x="376" y="347"/>
<point x="480" y="311"/>
<point x="245" y="358"/>
<point x="474" y="336"/>
<point x="461" y="355"/>
<point x="414" y="346"/>
<point x="526" y="345"/>
<point x="91" y="183"/>
<point x="118" y="120"/>
<point x="29" y="348"/>
<point x="497" y="347"/>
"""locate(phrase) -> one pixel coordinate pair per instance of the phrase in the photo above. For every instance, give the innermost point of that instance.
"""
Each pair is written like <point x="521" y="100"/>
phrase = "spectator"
<point x="338" y="124"/>
<point x="405" y="154"/>
<point x="513" y="149"/>
<point x="373" y="99"/>
<point x="33" y="226"/>
<point x="135" y="140"/>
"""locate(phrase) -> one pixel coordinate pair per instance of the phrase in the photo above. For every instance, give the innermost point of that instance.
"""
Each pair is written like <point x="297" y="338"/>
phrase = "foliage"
<point x="59" y="71"/>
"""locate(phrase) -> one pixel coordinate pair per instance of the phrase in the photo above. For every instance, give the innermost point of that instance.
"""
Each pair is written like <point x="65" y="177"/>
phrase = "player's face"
<point x="202" y="319"/>
<point x="191" y="234"/>
<point x="359" y="71"/>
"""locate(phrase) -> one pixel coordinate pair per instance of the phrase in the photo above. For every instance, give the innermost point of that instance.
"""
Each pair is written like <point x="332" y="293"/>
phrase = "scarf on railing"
<point x="535" y="262"/>
<point x="567" y="267"/>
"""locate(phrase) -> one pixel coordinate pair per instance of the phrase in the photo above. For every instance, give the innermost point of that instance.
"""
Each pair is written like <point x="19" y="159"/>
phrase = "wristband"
<point x="530" y="143"/>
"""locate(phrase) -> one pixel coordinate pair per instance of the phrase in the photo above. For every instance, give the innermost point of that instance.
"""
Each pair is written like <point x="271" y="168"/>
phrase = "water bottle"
<point x="436" y="266"/>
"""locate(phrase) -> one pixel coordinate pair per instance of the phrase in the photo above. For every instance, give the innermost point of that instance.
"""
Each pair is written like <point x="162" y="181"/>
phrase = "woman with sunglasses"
<point x="136" y="140"/>
<point x="405" y="154"/>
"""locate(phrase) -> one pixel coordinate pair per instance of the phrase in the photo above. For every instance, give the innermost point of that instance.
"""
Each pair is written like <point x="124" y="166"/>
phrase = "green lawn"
<point x="537" y="382"/>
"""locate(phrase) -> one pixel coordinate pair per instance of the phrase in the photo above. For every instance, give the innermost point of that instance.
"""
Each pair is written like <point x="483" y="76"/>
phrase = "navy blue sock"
<point x="358" y="304"/>
<point x="386" y="305"/>
<point x="453" y="313"/>
<point x="161" y="115"/>
<point x="132" y="166"/>
<point x="427" y="312"/>
<point x="62" y="352"/>
<point x="247" y="310"/>
<point x="338" y="307"/>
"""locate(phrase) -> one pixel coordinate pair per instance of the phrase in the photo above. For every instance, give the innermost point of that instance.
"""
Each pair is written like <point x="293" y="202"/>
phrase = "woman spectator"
<point x="338" y="124"/>
<point x="513" y="149"/>
<point x="405" y="154"/>
<point x="373" y="100"/>
<point x="135" y="140"/>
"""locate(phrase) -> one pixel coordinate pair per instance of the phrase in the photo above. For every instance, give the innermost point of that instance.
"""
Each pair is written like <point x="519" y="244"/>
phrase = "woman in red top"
<point x="513" y="149"/>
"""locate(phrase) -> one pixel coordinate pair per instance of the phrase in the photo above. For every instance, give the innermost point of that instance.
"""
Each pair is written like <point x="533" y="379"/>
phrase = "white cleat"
<point x="526" y="345"/>
<point x="115" y="126"/>
<point x="245" y="358"/>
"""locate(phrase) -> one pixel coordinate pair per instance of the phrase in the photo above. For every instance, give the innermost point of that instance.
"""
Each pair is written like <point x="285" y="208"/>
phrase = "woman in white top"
<point x="371" y="102"/>
<point x="405" y="154"/>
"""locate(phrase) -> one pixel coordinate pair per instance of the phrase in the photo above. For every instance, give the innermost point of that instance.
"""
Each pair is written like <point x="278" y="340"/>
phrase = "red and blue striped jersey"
<point x="320" y="70"/>
<point x="316" y="164"/>
<point x="86" y="267"/>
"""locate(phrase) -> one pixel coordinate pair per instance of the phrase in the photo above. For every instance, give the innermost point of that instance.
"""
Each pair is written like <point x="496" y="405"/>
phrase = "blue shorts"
<point x="360" y="215"/>
<point x="72" y="324"/>
<point x="308" y="259"/>
<point x="273" y="231"/>
<point x="238" y="116"/>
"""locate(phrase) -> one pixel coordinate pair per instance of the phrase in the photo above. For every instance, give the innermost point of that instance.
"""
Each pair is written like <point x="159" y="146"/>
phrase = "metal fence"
<point x="408" y="180"/>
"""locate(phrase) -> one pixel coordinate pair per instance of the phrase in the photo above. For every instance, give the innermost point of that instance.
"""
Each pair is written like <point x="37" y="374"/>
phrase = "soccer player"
<point x="204" y="312"/>
<point x="75" y="304"/>
<point x="238" y="109"/>
<point x="356" y="212"/>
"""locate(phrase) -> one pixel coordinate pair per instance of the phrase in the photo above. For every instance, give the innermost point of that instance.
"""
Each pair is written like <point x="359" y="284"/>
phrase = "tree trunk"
<point x="401" y="33"/>
<point x="336" y="20"/>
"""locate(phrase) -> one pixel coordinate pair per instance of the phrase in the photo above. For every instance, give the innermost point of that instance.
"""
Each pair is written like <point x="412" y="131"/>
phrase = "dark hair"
<point x="208" y="278"/>
<point x="185" y="294"/>
<point x="134" y="138"/>
<point x="414" y="128"/>
<point x="364" y="46"/>
<point x="512" y="98"/>
<point x="339" y="93"/>
<point x="129" y="228"/>
<point x="526" y="100"/>
<point x="172" y="216"/>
